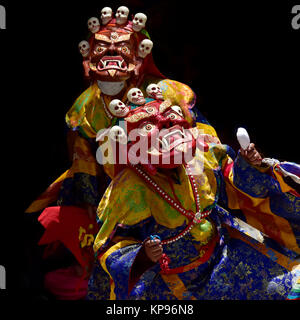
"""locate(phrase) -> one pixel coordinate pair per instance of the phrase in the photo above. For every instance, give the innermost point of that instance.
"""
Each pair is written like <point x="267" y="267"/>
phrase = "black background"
<point x="240" y="58"/>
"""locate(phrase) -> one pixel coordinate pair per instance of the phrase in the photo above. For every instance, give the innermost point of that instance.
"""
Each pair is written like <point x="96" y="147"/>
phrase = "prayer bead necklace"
<point x="109" y="115"/>
<point x="193" y="218"/>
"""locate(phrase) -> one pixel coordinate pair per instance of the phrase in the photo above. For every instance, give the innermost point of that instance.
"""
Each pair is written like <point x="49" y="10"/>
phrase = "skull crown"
<point x="121" y="18"/>
<point x="118" y="109"/>
<point x="154" y="91"/>
<point x="135" y="95"/>
<point x="137" y="24"/>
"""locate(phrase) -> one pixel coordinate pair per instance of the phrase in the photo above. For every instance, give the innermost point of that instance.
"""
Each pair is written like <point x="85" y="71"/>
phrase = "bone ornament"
<point x="178" y="110"/>
<point x="106" y="15"/>
<point x="243" y="138"/>
<point x="154" y="91"/>
<point x="122" y="15"/>
<point x="118" y="109"/>
<point x="135" y="95"/>
<point x="139" y="22"/>
<point x="145" y="48"/>
<point x="94" y="24"/>
<point x="84" y="48"/>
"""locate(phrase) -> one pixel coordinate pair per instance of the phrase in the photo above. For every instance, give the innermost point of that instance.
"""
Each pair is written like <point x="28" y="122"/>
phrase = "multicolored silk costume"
<point x="221" y="258"/>
<point x="247" y="248"/>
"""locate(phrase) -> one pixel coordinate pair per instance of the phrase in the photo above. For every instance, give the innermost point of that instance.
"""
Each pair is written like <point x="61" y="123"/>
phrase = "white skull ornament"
<point x="145" y="48"/>
<point x="178" y="110"/>
<point x="94" y="24"/>
<point x="118" y="109"/>
<point x="154" y="91"/>
<point x="135" y="95"/>
<point x="122" y="15"/>
<point x="139" y="22"/>
<point x="84" y="48"/>
<point x="106" y="15"/>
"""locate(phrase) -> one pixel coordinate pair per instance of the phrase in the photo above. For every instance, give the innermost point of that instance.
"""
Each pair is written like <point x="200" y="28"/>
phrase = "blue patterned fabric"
<point x="236" y="269"/>
<point x="119" y="265"/>
<point x="81" y="189"/>
<point x="99" y="284"/>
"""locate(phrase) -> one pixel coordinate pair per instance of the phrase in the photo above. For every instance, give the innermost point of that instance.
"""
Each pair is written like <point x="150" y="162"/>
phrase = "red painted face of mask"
<point x="118" y="49"/>
<point x="113" y="56"/>
<point x="159" y="136"/>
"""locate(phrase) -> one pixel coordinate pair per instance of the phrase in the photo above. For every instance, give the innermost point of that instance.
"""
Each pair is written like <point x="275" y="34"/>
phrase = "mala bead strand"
<point x="194" y="218"/>
<point x="105" y="109"/>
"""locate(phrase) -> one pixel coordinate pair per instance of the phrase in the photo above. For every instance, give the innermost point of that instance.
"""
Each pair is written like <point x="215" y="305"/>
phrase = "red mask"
<point x="159" y="136"/>
<point x="113" y="55"/>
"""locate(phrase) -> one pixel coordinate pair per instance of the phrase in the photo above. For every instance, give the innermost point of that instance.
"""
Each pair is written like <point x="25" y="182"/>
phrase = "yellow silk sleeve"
<point x="84" y="160"/>
<point x="180" y="94"/>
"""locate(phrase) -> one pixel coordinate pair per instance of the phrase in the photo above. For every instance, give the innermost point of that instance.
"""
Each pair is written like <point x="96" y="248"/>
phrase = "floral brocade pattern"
<point x="245" y="274"/>
<point x="234" y="272"/>
<point x="235" y="269"/>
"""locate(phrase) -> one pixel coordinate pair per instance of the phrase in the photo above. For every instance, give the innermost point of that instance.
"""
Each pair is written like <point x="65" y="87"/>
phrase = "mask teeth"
<point x="164" y="141"/>
<point x="154" y="151"/>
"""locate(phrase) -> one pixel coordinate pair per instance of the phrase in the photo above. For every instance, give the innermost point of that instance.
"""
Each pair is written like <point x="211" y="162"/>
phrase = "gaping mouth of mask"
<point x="112" y="64"/>
<point x="176" y="139"/>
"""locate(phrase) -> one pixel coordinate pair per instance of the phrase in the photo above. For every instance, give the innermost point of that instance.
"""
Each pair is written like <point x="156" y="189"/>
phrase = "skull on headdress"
<point x="118" y="47"/>
<point x="94" y="24"/>
<point x="118" y="109"/>
<point x="154" y="91"/>
<point x="158" y="136"/>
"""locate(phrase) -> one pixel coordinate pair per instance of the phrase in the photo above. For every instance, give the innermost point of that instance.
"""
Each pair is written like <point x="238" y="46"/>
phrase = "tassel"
<point x="164" y="263"/>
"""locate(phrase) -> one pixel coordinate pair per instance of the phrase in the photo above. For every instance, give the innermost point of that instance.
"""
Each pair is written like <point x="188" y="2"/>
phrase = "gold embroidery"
<point x="137" y="117"/>
<point x="165" y="105"/>
<point x="85" y="238"/>
<point x="124" y="37"/>
<point x="102" y="37"/>
<point x="114" y="37"/>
